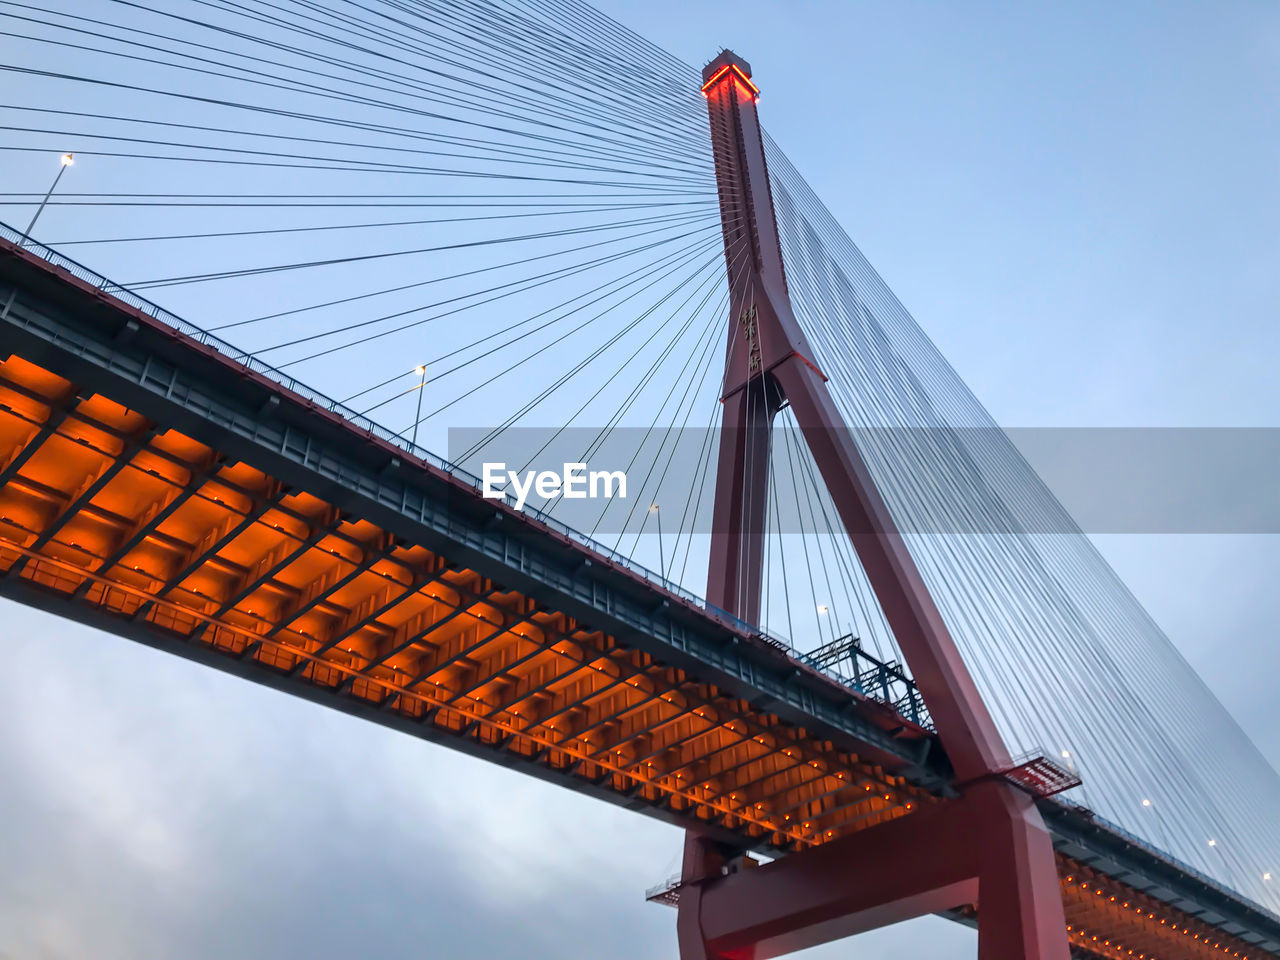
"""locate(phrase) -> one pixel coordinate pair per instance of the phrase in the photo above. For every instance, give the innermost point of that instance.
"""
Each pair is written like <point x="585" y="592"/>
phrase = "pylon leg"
<point x="703" y="859"/>
<point x="1020" y="915"/>
<point x="737" y="525"/>
<point x="991" y="843"/>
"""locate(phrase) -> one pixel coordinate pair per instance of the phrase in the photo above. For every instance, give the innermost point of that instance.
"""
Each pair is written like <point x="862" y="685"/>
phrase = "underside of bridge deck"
<point x="146" y="490"/>
<point x="145" y="528"/>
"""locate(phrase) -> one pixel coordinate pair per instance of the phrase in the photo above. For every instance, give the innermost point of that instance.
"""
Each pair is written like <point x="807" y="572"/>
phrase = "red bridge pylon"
<point x="988" y="847"/>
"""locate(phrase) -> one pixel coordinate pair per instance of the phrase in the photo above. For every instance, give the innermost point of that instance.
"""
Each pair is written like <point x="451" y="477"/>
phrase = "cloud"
<point x="156" y="808"/>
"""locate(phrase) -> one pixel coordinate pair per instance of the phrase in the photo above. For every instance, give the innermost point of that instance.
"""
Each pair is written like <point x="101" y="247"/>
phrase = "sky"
<point x="1078" y="202"/>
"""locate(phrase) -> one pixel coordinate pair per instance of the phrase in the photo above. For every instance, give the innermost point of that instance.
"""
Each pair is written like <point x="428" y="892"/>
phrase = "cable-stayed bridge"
<point x="914" y="686"/>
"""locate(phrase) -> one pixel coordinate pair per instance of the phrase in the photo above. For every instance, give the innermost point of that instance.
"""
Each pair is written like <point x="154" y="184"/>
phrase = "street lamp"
<point x="823" y="610"/>
<point x="65" y="161"/>
<point x="662" y="558"/>
<point x="1071" y="763"/>
<point x="1161" y="834"/>
<point x="420" y="370"/>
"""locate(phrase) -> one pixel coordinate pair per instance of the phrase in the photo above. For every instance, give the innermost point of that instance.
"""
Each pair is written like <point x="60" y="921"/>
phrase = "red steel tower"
<point x="988" y="845"/>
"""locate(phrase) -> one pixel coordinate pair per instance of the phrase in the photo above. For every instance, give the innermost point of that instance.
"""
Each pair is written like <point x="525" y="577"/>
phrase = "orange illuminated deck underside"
<point x="101" y="505"/>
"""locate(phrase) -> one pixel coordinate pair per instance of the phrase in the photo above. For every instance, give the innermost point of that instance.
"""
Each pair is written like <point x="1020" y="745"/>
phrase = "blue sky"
<point x="1078" y="202"/>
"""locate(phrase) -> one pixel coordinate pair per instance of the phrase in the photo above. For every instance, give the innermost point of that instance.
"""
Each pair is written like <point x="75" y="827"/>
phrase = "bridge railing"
<point x="1151" y="849"/>
<point x="868" y="679"/>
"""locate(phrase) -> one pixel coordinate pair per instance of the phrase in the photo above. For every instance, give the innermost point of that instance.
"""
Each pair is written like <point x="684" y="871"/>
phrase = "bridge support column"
<point x="990" y="846"/>
<point x="1020" y="913"/>
<point x="703" y="861"/>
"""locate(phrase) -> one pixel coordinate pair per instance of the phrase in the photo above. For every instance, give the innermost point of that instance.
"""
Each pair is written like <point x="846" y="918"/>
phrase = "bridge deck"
<point x="154" y="487"/>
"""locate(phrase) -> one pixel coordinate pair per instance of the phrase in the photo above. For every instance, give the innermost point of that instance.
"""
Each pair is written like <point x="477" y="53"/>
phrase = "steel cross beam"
<point x="270" y="564"/>
<point x="200" y="553"/>
<point x="57" y="414"/>
<point x="769" y="363"/>
<point x="161" y="509"/>
<point x="322" y="591"/>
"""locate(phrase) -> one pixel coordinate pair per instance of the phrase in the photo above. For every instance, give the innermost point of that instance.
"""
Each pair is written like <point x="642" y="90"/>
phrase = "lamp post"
<point x="1164" y="838"/>
<point x="662" y="558"/>
<point x="420" y="370"/>
<point x="66" y="160"/>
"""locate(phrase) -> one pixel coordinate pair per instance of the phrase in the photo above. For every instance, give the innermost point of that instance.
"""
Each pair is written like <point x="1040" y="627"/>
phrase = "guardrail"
<point x="907" y="700"/>
<point x="1181" y="865"/>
